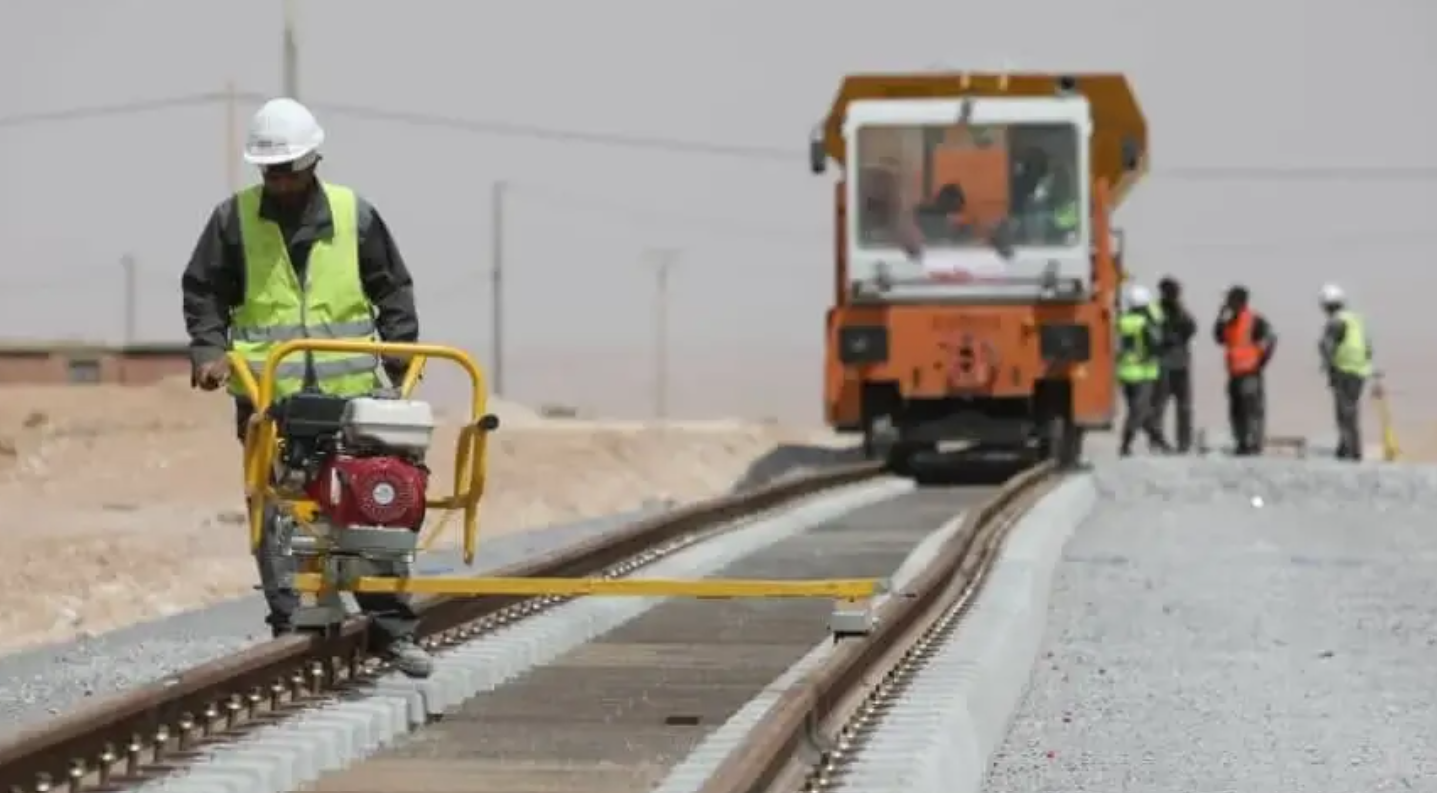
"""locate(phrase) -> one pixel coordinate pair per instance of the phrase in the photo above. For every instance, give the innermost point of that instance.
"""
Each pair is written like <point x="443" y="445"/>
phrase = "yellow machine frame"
<point x="317" y="577"/>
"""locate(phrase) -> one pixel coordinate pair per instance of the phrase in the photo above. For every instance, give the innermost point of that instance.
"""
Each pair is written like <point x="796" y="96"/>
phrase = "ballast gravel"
<point x="1202" y="640"/>
<point x="38" y="684"/>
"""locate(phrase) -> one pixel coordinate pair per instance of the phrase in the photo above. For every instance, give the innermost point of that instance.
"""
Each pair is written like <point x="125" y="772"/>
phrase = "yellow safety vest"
<point x="1138" y="364"/>
<point x="330" y="305"/>
<point x="1351" y="356"/>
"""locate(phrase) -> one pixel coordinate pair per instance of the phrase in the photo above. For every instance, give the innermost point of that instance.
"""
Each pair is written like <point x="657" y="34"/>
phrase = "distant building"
<point x="82" y="363"/>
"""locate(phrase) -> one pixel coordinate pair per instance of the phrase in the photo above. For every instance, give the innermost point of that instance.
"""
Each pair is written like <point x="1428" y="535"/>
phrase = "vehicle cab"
<point x="981" y="199"/>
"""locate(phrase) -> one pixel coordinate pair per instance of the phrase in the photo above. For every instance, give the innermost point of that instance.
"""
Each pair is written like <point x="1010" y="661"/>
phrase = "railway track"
<point x="617" y="711"/>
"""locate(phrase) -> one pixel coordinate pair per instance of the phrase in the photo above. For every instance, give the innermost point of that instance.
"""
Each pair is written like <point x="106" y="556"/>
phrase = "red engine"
<point x="387" y="492"/>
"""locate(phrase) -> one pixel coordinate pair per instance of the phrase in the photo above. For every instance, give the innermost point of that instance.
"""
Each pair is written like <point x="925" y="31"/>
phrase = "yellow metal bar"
<point x="261" y="436"/>
<point x="428" y="538"/>
<point x="1391" y="451"/>
<point x="412" y="374"/>
<point x="840" y="588"/>
<point x="479" y="451"/>
<point x="239" y="370"/>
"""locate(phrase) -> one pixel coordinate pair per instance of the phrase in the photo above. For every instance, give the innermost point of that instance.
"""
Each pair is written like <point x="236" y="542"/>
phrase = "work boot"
<point x="409" y="658"/>
<point x="279" y="625"/>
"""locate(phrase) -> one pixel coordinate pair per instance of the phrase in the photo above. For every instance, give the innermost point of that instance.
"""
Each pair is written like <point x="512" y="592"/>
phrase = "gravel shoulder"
<point x="1198" y="642"/>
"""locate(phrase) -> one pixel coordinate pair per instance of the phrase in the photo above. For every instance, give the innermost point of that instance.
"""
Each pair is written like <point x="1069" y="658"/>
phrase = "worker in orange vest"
<point x="1248" y="342"/>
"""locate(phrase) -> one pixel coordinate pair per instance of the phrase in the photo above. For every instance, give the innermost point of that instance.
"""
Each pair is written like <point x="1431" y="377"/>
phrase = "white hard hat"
<point x="1332" y="294"/>
<point x="283" y="131"/>
<point x="1139" y="296"/>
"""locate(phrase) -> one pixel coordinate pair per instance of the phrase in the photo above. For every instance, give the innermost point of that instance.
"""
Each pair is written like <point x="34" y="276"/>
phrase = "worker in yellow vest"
<point x="1139" y="369"/>
<point x="1347" y="356"/>
<point x="297" y="257"/>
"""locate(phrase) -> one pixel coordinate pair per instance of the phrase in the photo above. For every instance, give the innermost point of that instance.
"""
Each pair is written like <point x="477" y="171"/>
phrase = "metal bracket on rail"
<point x="855" y="617"/>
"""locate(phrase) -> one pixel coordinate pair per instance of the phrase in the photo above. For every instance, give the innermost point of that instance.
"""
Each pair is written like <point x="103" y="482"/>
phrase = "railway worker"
<point x="1347" y="358"/>
<point x="1139" y="369"/>
<point x="1248" y="343"/>
<point x="337" y="245"/>
<point x="1045" y="197"/>
<point x="1177" y="331"/>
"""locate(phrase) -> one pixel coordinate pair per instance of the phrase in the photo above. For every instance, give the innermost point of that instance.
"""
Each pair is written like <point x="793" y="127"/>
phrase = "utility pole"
<point x="663" y="260"/>
<point x="496" y="288"/>
<point x="290" y="65"/>
<point x="130" y="268"/>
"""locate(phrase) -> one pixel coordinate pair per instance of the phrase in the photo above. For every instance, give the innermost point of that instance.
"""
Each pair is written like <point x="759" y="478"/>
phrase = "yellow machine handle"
<point x="1391" y="452"/>
<point x="261" y="435"/>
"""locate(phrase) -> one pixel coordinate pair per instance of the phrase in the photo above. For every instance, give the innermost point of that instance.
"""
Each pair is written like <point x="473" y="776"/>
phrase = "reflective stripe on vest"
<point x="1243" y="356"/>
<point x="1138" y="364"/>
<point x="1066" y="216"/>
<point x="330" y="305"/>
<point x="1351" y="356"/>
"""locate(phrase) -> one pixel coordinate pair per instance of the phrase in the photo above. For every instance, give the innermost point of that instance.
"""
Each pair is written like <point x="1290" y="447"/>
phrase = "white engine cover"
<point x="400" y="424"/>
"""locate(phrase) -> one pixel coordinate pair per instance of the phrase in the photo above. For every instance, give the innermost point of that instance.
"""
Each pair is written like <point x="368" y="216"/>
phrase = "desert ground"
<point x="123" y="504"/>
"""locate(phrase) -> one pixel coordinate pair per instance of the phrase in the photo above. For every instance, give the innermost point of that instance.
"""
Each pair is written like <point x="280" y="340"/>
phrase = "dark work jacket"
<point x="213" y="284"/>
<point x="1178" y="329"/>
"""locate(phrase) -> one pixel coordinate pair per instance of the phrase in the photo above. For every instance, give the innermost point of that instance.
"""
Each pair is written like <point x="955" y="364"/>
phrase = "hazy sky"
<point x="1224" y="83"/>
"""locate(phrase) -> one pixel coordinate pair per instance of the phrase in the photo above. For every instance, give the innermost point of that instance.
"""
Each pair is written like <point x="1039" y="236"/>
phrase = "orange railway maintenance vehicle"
<point x="976" y="281"/>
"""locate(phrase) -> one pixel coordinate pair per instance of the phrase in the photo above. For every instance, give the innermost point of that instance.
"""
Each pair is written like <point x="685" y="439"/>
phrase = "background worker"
<point x="1177" y="331"/>
<point x="242" y="291"/>
<point x="1248" y="343"/>
<point x="1347" y="359"/>
<point x="1138" y="369"/>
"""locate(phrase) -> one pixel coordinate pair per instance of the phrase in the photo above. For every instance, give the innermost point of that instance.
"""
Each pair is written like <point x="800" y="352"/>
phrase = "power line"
<point x="682" y="146"/>
<point x="505" y="129"/>
<point x="1299" y="173"/>
<point x="717" y="224"/>
<point x="87" y="112"/>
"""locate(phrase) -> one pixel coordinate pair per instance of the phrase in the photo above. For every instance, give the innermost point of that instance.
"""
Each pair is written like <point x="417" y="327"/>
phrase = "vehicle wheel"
<point x="1072" y="451"/>
<point x="1062" y="442"/>
<point x="879" y="439"/>
<point x="902" y="457"/>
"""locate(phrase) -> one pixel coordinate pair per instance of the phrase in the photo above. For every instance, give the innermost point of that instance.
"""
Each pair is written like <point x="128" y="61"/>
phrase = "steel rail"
<point x="801" y="730"/>
<point x="142" y="727"/>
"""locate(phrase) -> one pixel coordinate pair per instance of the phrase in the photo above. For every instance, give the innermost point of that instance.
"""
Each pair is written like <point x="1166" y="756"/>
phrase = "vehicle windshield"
<point x="968" y="185"/>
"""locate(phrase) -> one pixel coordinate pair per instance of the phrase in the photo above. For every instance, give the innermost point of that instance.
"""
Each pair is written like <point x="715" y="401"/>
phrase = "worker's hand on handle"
<point x="212" y="375"/>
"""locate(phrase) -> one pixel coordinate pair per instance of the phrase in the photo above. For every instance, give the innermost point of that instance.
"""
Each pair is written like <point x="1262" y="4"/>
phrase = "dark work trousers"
<point x="1247" y="412"/>
<point x="1139" y="399"/>
<point x="1347" y="398"/>
<point x="393" y="616"/>
<point x="1176" y="386"/>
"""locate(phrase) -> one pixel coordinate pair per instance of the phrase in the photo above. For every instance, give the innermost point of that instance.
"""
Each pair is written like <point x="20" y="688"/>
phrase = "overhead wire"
<point x="1355" y="172"/>
<point x="132" y="108"/>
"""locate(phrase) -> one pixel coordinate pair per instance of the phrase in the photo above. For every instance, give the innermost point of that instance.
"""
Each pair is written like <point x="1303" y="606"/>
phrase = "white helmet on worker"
<point x="283" y="132"/>
<point x="1138" y="296"/>
<point x="1332" y="295"/>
